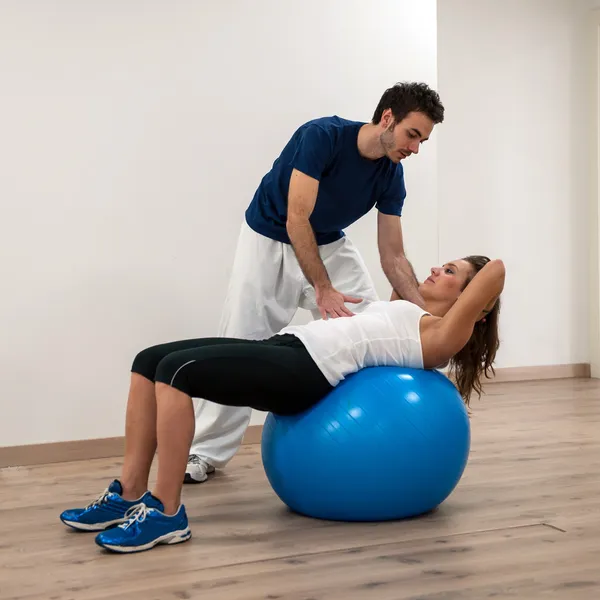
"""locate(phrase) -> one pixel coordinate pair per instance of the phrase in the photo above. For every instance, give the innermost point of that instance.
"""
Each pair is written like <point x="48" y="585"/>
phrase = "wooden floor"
<point x="523" y="523"/>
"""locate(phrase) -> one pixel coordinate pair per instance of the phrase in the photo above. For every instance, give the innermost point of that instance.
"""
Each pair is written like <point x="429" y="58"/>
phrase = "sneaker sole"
<point x="92" y="526"/>
<point x="189" y="479"/>
<point x="175" y="537"/>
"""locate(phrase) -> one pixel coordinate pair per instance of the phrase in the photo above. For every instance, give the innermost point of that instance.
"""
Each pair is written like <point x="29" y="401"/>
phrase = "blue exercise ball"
<point x="386" y="443"/>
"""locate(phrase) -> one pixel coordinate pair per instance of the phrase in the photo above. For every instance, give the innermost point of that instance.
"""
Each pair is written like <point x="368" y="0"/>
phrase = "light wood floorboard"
<point x="523" y="523"/>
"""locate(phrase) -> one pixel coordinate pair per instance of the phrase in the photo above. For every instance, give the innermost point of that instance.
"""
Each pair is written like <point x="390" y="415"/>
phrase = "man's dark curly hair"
<point x="404" y="98"/>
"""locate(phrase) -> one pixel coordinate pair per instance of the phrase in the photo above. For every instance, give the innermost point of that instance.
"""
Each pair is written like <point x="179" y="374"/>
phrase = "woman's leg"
<point x="115" y="504"/>
<point x="140" y="420"/>
<point x="140" y="437"/>
<point x="278" y="376"/>
<point x="175" y="428"/>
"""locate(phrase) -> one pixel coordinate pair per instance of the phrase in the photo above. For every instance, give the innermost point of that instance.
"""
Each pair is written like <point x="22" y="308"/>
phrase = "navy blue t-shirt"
<point x="349" y="184"/>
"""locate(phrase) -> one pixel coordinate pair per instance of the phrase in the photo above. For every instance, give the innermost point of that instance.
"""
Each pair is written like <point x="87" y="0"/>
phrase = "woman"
<point x="285" y="374"/>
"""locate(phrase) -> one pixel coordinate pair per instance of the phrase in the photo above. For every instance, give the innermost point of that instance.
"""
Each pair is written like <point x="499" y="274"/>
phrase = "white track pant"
<point x="266" y="288"/>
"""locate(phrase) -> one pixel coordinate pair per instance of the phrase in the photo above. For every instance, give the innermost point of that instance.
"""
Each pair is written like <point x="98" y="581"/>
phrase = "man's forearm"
<point x="305" y="246"/>
<point x="401" y="275"/>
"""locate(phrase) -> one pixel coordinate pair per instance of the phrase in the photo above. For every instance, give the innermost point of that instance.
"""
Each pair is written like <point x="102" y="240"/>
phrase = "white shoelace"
<point x="101" y="499"/>
<point x="135" y="513"/>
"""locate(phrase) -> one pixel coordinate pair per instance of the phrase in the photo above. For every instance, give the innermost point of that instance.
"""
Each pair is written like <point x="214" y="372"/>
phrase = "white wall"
<point x="592" y="18"/>
<point x="513" y="167"/>
<point x="131" y="142"/>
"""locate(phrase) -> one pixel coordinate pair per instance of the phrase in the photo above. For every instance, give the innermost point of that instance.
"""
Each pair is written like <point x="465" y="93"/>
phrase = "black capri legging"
<point x="275" y="375"/>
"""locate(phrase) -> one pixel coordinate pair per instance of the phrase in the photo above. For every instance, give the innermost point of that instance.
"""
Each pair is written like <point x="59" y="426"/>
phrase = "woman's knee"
<point x="146" y="362"/>
<point x="171" y="371"/>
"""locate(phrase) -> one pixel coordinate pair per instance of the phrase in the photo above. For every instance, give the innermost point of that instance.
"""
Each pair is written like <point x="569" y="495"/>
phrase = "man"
<point x="292" y="251"/>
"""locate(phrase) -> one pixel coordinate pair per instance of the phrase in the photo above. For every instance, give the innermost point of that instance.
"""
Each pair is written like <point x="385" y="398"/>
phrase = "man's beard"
<point x="387" y="139"/>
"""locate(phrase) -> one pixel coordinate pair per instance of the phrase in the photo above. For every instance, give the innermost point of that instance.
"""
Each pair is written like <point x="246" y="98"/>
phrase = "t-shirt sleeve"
<point x="391" y="201"/>
<point x="313" y="151"/>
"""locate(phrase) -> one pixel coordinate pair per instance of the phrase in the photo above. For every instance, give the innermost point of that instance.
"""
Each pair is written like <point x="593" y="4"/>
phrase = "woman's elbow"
<point x="499" y="266"/>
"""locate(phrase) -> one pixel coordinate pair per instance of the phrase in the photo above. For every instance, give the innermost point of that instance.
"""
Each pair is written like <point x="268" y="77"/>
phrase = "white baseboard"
<point x="581" y="370"/>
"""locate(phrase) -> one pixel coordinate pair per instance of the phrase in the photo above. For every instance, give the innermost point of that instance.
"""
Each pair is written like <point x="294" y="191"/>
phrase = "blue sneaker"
<point x="147" y="527"/>
<point x="108" y="510"/>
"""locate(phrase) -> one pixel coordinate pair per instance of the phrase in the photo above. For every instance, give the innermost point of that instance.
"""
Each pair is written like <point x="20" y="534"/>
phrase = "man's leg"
<point x="263" y="296"/>
<point x="348" y="273"/>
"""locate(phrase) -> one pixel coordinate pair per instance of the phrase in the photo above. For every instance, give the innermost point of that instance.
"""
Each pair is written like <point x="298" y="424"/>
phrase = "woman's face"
<point x="447" y="282"/>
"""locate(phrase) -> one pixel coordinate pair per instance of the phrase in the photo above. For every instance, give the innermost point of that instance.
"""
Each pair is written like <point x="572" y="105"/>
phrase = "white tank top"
<point x="384" y="334"/>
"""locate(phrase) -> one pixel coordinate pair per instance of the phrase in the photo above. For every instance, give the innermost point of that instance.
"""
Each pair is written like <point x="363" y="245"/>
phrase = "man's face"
<point x="401" y="139"/>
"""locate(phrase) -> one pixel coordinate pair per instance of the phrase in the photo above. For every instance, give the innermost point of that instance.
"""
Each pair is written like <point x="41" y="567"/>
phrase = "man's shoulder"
<point x="332" y="124"/>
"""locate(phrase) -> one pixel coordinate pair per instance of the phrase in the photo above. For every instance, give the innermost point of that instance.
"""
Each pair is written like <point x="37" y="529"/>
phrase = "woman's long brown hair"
<point x="477" y="357"/>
